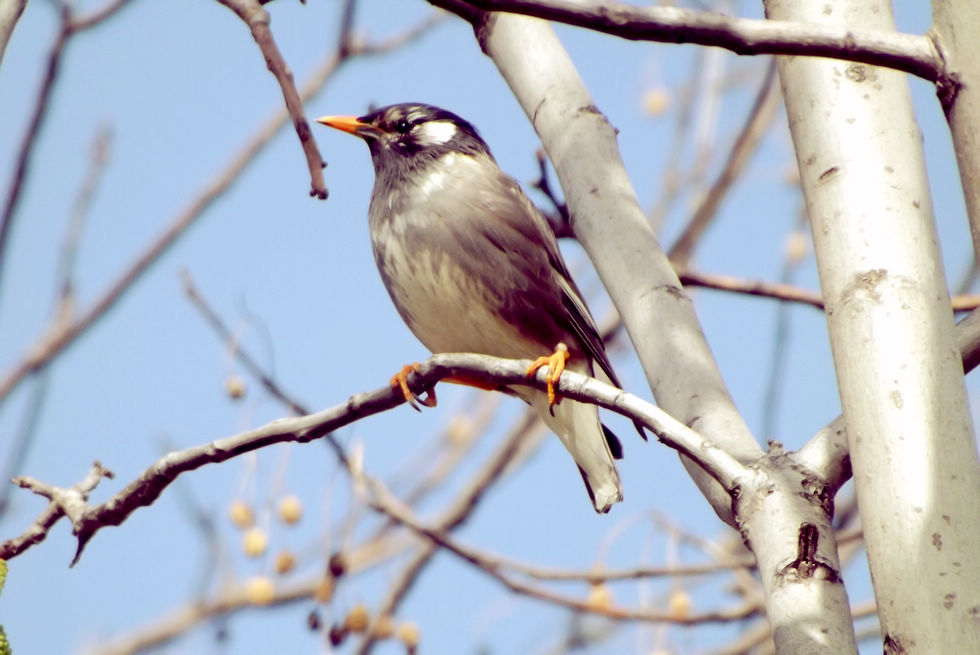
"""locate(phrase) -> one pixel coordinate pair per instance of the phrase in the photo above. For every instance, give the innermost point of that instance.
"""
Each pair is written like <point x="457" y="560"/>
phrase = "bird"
<point x="472" y="265"/>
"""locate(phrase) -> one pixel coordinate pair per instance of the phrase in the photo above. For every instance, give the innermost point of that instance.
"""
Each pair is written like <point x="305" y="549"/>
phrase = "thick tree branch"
<point x="826" y="453"/>
<point x="909" y="429"/>
<point x="744" y="36"/>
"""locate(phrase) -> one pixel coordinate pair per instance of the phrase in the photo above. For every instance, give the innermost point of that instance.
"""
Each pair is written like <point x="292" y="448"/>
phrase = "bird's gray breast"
<point x="452" y="286"/>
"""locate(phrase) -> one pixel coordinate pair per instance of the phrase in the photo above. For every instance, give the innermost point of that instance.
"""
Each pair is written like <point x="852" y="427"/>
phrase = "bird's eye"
<point x="402" y="126"/>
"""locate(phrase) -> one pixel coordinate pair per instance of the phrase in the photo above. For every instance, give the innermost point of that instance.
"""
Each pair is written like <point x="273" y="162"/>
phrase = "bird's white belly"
<point x="447" y="310"/>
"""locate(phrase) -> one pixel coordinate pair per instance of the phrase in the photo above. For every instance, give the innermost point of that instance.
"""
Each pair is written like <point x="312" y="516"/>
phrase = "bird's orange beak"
<point x="349" y="124"/>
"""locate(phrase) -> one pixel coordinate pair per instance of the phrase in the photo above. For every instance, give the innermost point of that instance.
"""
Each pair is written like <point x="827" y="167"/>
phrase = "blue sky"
<point x="182" y="85"/>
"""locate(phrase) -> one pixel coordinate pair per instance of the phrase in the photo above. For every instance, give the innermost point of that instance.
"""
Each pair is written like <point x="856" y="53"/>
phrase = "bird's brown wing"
<point x="579" y="317"/>
<point x="519" y="216"/>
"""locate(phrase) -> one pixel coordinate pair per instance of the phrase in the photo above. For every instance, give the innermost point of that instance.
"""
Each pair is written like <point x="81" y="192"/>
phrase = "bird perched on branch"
<point x="473" y="266"/>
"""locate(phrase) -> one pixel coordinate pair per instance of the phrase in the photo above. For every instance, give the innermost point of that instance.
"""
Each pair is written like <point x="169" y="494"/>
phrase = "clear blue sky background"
<point x="182" y="85"/>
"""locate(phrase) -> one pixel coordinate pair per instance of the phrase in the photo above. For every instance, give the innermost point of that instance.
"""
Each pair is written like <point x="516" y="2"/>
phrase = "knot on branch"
<point x="807" y="564"/>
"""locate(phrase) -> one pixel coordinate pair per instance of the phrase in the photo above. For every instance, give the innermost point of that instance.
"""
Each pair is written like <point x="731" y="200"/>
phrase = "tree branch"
<point x="257" y="19"/>
<point x="458" y="512"/>
<point x="383" y="501"/>
<point x="219" y="327"/>
<point x="744" y="36"/>
<point x="143" y="491"/>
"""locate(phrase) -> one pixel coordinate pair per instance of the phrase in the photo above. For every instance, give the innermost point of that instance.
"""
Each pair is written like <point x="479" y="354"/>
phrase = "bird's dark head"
<point x="408" y="136"/>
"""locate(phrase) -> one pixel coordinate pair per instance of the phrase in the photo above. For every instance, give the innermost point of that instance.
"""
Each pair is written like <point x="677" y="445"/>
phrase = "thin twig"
<point x="222" y="330"/>
<point x="68" y="27"/>
<point x="786" y="292"/>
<point x="26" y="151"/>
<point x="457" y="513"/>
<point x="748" y="140"/>
<point x="383" y="501"/>
<point x="779" y="363"/>
<point x="62" y="307"/>
<point x="257" y="19"/>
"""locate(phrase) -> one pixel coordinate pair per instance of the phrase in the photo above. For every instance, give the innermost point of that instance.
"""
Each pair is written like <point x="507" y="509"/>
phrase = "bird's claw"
<point x="556" y="366"/>
<point x="400" y="380"/>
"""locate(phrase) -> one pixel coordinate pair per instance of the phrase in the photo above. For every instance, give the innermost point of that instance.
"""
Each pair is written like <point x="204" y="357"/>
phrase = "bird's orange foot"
<point x="556" y="365"/>
<point x="400" y="380"/>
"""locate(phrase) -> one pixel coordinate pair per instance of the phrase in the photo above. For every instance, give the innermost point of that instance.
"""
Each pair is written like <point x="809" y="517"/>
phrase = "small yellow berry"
<point x="408" y="633"/>
<point x="235" y="387"/>
<point x="255" y="542"/>
<point x="285" y="562"/>
<point x="679" y="603"/>
<point x="460" y="431"/>
<point x="797" y="247"/>
<point x="290" y="509"/>
<point x="357" y="619"/>
<point x="656" y="101"/>
<point x="241" y="514"/>
<point x="260" y="590"/>
<point x="600" y="596"/>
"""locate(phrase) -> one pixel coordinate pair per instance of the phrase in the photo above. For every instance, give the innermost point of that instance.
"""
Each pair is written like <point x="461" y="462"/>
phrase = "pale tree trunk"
<point x="781" y="517"/>
<point x="901" y="385"/>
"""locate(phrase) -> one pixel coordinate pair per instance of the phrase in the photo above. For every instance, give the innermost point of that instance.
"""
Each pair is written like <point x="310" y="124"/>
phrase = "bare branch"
<point x="786" y="292"/>
<point x="756" y="125"/>
<point x="744" y="36"/>
<point x="62" y="307"/>
<point x="455" y="515"/>
<point x="383" y="501"/>
<point x="99" y="15"/>
<point x="180" y="621"/>
<point x="64" y="502"/>
<point x="26" y="150"/>
<point x="257" y="19"/>
<point x="69" y="26"/>
<point x="143" y="491"/>
<point x="226" y="336"/>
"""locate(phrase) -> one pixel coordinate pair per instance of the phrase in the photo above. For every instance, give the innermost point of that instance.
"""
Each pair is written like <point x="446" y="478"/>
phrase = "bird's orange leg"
<point x="400" y="380"/>
<point x="556" y="365"/>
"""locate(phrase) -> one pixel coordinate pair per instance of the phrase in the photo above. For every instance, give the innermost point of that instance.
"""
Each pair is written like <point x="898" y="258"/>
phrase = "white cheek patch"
<point x="435" y="133"/>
